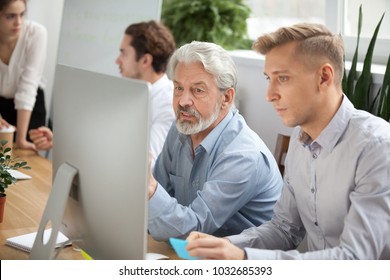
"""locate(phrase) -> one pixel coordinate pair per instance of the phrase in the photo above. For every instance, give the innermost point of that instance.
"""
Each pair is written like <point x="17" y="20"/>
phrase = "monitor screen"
<point x="101" y="131"/>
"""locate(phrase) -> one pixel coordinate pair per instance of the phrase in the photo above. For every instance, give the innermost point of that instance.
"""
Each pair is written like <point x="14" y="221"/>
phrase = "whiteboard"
<point x="92" y="30"/>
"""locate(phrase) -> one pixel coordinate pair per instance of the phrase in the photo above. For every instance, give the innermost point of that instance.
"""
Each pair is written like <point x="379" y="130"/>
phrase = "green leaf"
<point x="363" y="84"/>
<point x="344" y="83"/>
<point x="385" y="95"/>
<point x="360" y="89"/>
<point x="7" y="162"/>
<point x="220" y="21"/>
<point x="352" y="71"/>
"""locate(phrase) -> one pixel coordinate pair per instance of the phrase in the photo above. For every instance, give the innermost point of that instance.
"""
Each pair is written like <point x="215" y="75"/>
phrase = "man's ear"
<point x="326" y="73"/>
<point x="147" y="59"/>
<point x="228" y="97"/>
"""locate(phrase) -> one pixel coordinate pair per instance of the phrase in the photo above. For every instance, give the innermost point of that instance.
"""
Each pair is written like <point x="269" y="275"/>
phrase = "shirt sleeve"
<point x="32" y="67"/>
<point x="284" y="231"/>
<point x="366" y="227"/>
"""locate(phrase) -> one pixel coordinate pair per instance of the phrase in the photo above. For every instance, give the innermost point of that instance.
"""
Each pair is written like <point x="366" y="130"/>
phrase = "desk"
<point x="26" y="201"/>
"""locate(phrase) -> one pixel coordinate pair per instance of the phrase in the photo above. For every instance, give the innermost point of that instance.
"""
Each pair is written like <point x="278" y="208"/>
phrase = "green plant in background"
<point x="219" y="21"/>
<point x="7" y="162"/>
<point x="359" y="88"/>
<point x="384" y="95"/>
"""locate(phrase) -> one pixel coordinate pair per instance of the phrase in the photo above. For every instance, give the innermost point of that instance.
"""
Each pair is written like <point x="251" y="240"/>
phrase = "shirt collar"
<point x="160" y="83"/>
<point x="331" y="134"/>
<point x="210" y="140"/>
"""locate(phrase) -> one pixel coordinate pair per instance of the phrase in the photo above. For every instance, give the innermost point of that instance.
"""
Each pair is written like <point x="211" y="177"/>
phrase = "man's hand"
<point x="205" y="246"/>
<point x="42" y="138"/>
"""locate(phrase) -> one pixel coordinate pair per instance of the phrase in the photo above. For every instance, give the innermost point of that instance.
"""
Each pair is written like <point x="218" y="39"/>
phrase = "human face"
<point x="127" y="60"/>
<point x="197" y="100"/>
<point x="11" y="19"/>
<point x="293" y="88"/>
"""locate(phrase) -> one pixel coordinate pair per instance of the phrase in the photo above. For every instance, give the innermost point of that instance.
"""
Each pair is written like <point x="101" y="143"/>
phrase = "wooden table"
<point x="26" y="201"/>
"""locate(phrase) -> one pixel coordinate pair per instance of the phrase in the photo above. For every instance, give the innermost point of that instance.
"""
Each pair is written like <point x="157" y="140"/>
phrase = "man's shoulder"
<point x="237" y="127"/>
<point x="238" y="136"/>
<point x="367" y="126"/>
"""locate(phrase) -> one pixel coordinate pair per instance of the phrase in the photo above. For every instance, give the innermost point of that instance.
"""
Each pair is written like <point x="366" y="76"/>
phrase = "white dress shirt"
<point x="162" y="114"/>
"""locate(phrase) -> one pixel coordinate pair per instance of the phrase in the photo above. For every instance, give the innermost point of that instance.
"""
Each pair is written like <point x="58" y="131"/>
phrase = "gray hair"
<point x="216" y="61"/>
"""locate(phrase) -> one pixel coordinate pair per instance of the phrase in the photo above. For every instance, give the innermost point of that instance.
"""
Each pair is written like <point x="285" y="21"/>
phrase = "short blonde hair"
<point x="314" y="41"/>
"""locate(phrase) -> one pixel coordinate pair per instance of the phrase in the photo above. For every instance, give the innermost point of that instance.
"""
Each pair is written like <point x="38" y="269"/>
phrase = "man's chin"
<point x="289" y="122"/>
<point x="185" y="127"/>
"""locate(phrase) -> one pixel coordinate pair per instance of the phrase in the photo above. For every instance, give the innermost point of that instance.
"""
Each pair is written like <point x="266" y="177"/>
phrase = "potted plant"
<point x="359" y="88"/>
<point x="219" y="21"/>
<point x="7" y="162"/>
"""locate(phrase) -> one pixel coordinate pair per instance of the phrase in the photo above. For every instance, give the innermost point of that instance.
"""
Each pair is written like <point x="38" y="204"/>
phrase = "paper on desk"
<point x="25" y="242"/>
<point x="149" y="256"/>
<point x="19" y="175"/>
<point x="155" y="256"/>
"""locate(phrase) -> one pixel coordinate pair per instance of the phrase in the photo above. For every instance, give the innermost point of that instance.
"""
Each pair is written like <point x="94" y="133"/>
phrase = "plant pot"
<point x="2" y="206"/>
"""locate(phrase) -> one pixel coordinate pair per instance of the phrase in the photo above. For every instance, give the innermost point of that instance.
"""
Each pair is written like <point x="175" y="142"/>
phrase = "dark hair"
<point x="153" y="38"/>
<point x="4" y="3"/>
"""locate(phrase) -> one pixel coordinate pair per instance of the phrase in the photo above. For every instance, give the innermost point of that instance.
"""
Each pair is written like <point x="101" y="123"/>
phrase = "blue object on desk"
<point x="179" y="245"/>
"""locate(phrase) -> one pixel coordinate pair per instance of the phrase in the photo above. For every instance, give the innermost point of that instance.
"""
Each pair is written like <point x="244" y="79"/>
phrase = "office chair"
<point x="281" y="148"/>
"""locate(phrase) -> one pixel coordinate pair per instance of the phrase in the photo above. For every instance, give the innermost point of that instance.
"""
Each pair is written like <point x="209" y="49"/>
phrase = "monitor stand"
<point x="54" y="212"/>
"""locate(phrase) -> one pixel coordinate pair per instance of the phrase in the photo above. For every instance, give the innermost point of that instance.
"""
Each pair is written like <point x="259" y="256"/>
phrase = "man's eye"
<point x="283" y="78"/>
<point x="178" y="88"/>
<point x="198" y="90"/>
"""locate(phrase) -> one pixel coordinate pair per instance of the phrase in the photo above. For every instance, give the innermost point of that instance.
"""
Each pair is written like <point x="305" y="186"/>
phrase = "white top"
<point x="21" y="78"/>
<point x="162" y="114"/>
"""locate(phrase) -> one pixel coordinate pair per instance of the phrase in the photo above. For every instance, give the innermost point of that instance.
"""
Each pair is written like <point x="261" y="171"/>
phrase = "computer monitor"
<point x="100" y="157"/>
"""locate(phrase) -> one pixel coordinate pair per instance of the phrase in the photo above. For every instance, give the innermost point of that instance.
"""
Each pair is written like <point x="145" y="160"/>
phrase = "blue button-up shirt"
<point x="336" y="190"/>
<point x="231" y="183"/>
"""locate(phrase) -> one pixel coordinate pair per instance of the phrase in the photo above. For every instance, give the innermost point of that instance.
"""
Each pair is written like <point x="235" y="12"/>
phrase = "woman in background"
<point x="23" y="46"/>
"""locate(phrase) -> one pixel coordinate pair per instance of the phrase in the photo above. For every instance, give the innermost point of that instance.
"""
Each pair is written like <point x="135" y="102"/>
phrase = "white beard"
<point x="187" y="128"/>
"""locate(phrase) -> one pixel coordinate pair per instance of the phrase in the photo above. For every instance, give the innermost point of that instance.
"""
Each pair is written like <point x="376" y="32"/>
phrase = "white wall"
<point x="92" y="30"/>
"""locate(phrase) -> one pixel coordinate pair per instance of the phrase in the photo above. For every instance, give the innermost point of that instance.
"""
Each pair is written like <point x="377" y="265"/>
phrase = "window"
<point x="371" y="15"/>
<point x="268" y="15"/>
<point x="339" y="15"/>
<point x="372" y="12"/>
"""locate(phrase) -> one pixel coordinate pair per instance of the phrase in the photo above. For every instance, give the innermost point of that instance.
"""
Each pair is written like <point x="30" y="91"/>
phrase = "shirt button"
<point x="315" y="156"/>
<point x="312" y="190"/>
<point x="316" y="223"/>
